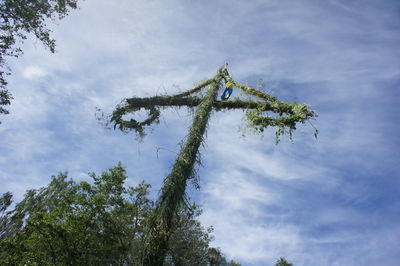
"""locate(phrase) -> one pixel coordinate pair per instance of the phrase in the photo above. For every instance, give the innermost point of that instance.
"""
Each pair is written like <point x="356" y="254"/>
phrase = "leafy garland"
<point x="173" y="192"/>
<point x="289" y="114"/>
<point x="133" y="124"/>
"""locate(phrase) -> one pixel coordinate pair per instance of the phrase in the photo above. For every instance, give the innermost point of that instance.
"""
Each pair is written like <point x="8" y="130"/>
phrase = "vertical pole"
<point x="173" y="190"/>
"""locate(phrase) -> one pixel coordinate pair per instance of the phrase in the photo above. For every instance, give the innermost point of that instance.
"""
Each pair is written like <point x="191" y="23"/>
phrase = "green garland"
<point x="297" y="113"/>
<point x="289" y="114"/>
<point x="132" y="124"/>
<point x="172" y="194"/>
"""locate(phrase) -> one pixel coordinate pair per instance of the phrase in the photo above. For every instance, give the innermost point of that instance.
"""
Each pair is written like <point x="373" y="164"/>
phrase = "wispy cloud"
<point x="329" y="201"/>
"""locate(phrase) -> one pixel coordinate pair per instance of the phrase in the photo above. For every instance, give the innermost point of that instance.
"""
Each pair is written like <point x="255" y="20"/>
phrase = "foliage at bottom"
<point x="97" y="223"/>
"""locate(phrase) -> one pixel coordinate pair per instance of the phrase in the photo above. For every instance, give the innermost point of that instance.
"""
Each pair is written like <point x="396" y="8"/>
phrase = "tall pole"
<point x="172" y="194"/>
<point x="173" y="191"/>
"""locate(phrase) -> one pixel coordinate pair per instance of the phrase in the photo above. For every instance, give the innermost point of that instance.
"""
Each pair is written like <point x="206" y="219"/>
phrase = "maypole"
<point x="172" y="194"/>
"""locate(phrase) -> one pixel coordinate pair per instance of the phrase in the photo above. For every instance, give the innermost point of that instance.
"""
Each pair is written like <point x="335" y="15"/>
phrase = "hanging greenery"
<point x="288" y="114"/>
<point x="172" y="194"/>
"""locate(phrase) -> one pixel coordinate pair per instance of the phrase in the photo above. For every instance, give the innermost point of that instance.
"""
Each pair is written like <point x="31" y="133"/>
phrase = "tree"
<point x="172" y="195"/>
<point x="5" y="202"/>
<point x="98" y="223"/>
<point x="21" y="17"/>
<point x="189" y="233"/>
<point x="216" y="258"/>
<point x="283" y="262"/>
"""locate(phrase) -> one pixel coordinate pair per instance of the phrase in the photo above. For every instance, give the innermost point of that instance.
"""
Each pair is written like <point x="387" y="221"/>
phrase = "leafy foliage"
<point x="21" y="17"/>
<point x="283" y="262"/>
<point x="215" y="258"/>
<point x="98" y="223"/>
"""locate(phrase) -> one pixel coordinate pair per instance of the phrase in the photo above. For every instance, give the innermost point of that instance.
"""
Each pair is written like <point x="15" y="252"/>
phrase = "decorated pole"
<point x="173" y="190"/>
<point x="172" y="194"/>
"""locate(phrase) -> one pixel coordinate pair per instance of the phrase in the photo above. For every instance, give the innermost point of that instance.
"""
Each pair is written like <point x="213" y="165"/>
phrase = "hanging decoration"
<point x="227" y="92"/>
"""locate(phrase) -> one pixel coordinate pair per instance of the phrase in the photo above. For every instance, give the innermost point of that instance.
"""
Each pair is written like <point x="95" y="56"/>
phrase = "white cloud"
<point x="254" y="193"/>
<point x="33" y="72"/>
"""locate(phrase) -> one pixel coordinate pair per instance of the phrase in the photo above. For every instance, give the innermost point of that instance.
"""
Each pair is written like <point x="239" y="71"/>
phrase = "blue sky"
<point x="330" y="201"/>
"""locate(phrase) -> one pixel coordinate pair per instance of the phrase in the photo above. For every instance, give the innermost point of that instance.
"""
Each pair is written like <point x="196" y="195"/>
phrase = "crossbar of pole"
<point x="192" y="101"/>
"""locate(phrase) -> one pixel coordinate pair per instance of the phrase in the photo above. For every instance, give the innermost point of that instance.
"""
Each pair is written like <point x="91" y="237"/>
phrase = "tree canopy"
<point x="283" y="262"/>
<point x="95" y="223"/>
<point x="19" y="18"/>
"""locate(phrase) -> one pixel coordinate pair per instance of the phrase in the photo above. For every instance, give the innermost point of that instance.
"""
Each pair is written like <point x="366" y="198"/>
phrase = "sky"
<point x="333" y="200"/>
